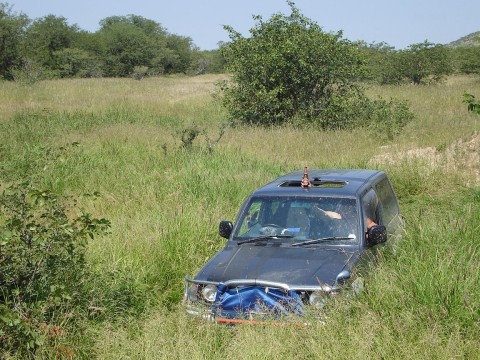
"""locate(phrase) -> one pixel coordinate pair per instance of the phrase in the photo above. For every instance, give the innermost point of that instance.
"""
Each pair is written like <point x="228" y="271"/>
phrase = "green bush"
<point x="30" y="72"/>
<point x="290" y="72"/>
<point x="43" y="242"/>
<point x="472" y="104"/>
<point x="288" y="68"/>
<point x="385" y="118"/>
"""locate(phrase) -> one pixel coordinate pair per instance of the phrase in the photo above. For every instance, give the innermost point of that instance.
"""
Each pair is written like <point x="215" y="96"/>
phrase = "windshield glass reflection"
<point x="302" y="218"/>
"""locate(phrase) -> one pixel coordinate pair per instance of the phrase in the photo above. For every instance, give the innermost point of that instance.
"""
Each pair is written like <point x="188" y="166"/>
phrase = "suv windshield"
<point x="295" y="219"/>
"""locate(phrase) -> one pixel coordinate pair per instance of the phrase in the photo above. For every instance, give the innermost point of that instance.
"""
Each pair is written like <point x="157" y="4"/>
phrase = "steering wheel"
<point x="270" y="229"/>
<point x="272" y="225"/>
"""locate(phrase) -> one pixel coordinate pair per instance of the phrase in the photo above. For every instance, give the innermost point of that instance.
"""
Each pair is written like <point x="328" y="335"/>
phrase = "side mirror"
<point x="342" y="276"/>
<point x="225" y="229"/>
<point x="376" y="234"/>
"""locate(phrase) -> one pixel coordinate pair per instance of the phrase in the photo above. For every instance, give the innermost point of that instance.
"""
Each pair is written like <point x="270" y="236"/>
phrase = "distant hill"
<point x="472" y="39"/>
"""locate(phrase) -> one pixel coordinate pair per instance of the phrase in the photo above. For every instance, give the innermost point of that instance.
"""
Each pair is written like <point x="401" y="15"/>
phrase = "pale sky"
<point x="399" y="23"/>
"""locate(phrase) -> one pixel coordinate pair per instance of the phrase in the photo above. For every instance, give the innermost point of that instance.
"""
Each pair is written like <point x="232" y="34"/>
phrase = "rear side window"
<point x="388" y="200"/>
<point x="372" y="208"/>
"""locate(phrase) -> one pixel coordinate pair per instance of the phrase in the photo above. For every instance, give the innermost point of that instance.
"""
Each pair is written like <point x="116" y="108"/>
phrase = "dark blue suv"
<point x="297" y="241"/>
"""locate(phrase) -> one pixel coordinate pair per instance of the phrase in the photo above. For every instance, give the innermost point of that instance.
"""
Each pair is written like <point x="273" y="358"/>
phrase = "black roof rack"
<point x="315" y="183"/>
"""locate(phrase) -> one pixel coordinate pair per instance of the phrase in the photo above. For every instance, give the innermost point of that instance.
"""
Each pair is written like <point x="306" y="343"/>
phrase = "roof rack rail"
<point x="315" y="183"/>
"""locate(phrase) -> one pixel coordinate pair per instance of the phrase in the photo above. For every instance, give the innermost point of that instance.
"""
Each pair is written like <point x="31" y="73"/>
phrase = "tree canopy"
<point x="12" y="29"/>
<point x="132" y="41"/>
<point x="51" y="47"/>
<point x="424" y="62"/>
<point x="419" y="63"/>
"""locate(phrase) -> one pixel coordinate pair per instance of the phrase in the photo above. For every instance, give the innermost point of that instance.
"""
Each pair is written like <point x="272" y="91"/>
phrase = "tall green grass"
<point x="122" y="138"/>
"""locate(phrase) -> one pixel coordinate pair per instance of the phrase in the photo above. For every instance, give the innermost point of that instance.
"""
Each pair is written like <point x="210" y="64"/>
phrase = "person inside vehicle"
<point x="370" y="223"/>
<point x="318" y="211"/>
<point x="371" y="210"/>
<point x="326" y="220"/>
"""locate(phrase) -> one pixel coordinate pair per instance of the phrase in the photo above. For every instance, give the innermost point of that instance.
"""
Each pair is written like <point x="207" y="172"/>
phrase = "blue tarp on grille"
<point x="240" y="302"/>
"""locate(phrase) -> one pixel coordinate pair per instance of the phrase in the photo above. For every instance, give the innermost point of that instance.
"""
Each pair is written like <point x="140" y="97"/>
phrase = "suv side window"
<point x="388" y="200"/>
<point x="372" y="208"/>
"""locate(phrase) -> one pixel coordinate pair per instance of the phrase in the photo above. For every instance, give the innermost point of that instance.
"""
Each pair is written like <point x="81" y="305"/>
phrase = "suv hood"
<point x="294" y="266"/>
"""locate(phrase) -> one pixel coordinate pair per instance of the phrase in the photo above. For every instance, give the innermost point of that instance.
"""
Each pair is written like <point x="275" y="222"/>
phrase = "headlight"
<point x="209" y="293"/>
<point x="318" y="299"/>
<point x="192" y="292"/>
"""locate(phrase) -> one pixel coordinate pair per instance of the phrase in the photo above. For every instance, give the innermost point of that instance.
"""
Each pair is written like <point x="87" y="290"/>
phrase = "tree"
<point x="382" y="62"/>
<point x="467" y="59"/>
<point x="288" y="68"/>
<point x="126" y="46"/>
<point x="146" y="25"/>
<point x="208" y="61"/>
<point x="12" y="31"/>
<point x="73" y="62"/>
<point x="133" y="41"/>
<point x="181" y="48"/>
<point x="424" y="62"/>
<point x="46" y="36"/>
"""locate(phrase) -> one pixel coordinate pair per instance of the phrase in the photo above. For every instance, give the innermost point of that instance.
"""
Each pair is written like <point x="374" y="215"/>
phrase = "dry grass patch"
<point x="460" y="156"/>
<point x="298" y="148"/>
<point x="100" y="94"/>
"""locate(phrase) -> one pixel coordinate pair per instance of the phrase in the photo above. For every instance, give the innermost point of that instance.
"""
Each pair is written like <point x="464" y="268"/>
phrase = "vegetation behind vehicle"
<point x="133" y="46"/>
<point x="164" y="201"/>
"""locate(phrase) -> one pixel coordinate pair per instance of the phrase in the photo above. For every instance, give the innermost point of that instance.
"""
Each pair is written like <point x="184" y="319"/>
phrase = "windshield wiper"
<point x="280" y="236"/>
<point x="329" y="238"/>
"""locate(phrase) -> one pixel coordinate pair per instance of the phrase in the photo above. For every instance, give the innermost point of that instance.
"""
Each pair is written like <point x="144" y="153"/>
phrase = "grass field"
<point x="165" y="201"/>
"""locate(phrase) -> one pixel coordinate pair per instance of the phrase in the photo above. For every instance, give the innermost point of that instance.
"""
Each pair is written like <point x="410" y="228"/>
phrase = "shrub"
<point x="290" y="72"/>
<point x="472" y="104"/>
<point x="30" y="72"/>
<point x="43" y="242"/>
<point x="288" y="68"/>
<point x="139" y="72"/>
<point x="386" y="118"/>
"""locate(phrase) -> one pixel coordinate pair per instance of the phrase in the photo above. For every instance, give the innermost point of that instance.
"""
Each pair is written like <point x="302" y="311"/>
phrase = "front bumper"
<point x="252" y="301"/>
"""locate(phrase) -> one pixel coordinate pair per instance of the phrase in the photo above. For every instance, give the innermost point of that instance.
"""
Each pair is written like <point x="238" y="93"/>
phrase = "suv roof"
<point x="328" y="182"/>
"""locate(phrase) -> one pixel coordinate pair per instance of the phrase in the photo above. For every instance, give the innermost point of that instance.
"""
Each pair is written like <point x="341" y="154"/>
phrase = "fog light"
<point x="318" y="299"/>
<point x="209" y="293"/>
<point x="358" y="286"/>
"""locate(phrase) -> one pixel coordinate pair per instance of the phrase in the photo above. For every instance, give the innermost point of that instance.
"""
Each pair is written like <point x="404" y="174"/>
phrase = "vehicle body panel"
<point x="296" y="266"/>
